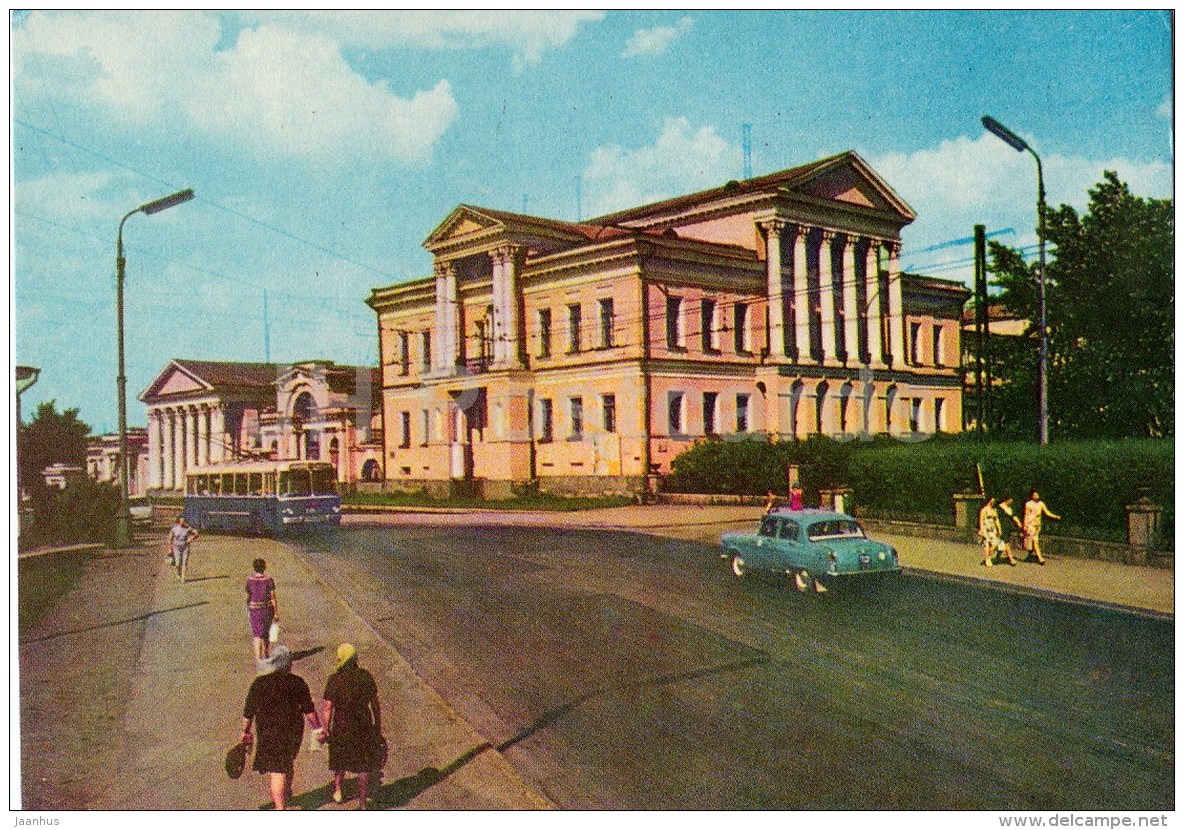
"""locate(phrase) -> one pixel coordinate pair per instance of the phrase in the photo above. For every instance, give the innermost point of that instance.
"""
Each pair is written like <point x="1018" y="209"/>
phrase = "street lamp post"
<point x="1018" y="144"/>
<point x="123" y="522"/>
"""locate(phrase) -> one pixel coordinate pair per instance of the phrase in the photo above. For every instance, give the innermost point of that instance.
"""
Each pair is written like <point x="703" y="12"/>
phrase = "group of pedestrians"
<point x="279" y="702"/>
<point x="996" y="540"/>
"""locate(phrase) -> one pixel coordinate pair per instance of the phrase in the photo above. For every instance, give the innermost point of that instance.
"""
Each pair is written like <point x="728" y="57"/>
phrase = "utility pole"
<point x="981" y="324"/>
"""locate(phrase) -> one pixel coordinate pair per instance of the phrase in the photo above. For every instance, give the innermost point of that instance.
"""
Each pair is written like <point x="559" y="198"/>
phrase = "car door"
<point x="789" y="544"/>
<point x="763" y="551"/>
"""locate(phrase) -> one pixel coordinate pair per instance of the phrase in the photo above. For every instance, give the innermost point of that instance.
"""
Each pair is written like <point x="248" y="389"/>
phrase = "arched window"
<point x="334" y="451"/>
<point x="370" y="470"/>
<point x="820" y="407"/>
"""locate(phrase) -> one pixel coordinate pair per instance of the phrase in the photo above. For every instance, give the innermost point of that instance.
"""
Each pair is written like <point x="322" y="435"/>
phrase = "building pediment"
<point x="463" y="225"/>
<point x="175" y="381"/>
<point x="850" y="180"/>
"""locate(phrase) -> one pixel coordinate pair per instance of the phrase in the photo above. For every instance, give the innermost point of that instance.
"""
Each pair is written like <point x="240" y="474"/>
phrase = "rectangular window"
<point x="710" y="401"/>
<point x="740" y="317"/>
<point x="405" y="424"/>
<point x="915" y="415"/>
<point x="404" y="353"/>
<point x="576" y="410"/>
<point x="425" y="341"/>
<point x="546" y="421"/>
<point x="674" y="413"/>
<point x="608" y="404"/>
<point x="606" y="323"/>
<point x="709" y="325"/>
<point x="937" y="347"/>
<point x="742" y="413"/>
<point x="573" y="328"/>
<point x="674" y="327"/>
<point x="427" y="426"/>
<point x="939" y="415"/>
<point x="544" y="332"/>
<point x="915" y="343"/>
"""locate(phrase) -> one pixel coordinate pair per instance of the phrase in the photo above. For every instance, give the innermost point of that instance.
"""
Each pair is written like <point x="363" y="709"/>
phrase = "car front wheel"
<point x="738" y="567"/>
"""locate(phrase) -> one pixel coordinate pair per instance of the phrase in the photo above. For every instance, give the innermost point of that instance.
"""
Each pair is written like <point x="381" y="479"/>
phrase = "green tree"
<point x="1109" y="308"/>
<point x="51" y="437"/>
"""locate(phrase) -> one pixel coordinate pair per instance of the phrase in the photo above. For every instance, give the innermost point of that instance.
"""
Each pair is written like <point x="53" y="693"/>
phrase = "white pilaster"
<point x="850" y="307"/>
<point x="203" y="435"/>
<point x="895" y="304"/>
<point x="439" y="335"/>
<point x="826" y="295"/>
<point x="874" y="322"/>
<point x="801" y="296"/>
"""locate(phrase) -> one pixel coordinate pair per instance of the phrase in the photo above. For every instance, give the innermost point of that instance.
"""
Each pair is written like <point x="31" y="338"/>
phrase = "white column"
<point x="217" y="434"/>
<point x="190" y="416"/>
<point x="511" y="352"/>
<point x="178" y="446"/>
<point x="775" y="287"/>
<point x="153" y="449"/>
<point x="203" y="435"/>
<point x="498" y="299"/>
<point x="826" y="295"/>
<point x="801" y="296"/>
<point x="451" y="319"/>
<point x="895" y="304"/>
<point x="167" y="449"/>
<point x="850" y="307"/>
<point x="872" y="281"/>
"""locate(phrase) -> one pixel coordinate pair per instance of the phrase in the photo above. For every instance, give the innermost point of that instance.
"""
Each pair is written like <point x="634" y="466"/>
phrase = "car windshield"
<point x="836" y="529"/>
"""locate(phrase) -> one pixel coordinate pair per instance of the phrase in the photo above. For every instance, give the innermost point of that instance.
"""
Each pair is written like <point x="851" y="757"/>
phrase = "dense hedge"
<point x="1086" y="482"/>
<point x="85" y="511"/>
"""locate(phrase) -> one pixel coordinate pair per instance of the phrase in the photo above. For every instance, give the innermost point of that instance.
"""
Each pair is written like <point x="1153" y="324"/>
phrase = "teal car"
<point x="815" y="548"/>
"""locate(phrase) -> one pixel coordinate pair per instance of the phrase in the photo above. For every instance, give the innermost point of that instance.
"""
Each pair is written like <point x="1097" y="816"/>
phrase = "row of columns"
<point x="181" y="437"/>
<point x="447" y="335"/>
<point x="831" y="287"/>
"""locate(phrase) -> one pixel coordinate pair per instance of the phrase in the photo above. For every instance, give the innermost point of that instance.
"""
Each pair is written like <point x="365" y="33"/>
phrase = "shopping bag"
<point x="273" y="634"/>
<point x="236" y="759"/>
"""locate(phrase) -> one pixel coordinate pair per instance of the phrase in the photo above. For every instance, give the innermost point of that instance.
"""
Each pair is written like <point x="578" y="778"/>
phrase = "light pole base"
<point x="123" y="532"/>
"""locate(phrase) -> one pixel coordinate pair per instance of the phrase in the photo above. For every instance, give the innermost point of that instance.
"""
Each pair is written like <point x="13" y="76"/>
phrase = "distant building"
<point x="59" y="474"/>
<point x="585" y="356"/>
<point x="201" y="412"/>
<point x="102" y="459"/>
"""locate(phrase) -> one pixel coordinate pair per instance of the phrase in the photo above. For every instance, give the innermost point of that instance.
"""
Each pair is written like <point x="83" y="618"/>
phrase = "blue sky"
<point x="324" y="148"/>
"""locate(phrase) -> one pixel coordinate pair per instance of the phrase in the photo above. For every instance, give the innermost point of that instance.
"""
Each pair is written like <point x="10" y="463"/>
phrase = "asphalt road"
<point x="619" y="671"/>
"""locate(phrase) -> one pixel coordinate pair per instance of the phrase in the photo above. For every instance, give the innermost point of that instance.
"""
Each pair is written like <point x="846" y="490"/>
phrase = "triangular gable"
<point x="848" y="178"/>
<point x="174" y="380"/>
<point x="462" y="222"/>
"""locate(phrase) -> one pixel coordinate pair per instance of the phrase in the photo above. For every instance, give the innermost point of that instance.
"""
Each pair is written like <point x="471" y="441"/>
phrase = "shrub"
<point x="1089" y="483"/>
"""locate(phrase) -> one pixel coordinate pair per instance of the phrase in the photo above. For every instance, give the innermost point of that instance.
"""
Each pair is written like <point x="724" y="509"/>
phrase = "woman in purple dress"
<point x="261" y="607"/>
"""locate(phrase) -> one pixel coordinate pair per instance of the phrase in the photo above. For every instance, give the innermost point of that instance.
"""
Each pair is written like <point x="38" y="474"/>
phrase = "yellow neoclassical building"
<point x="585" y="356"/>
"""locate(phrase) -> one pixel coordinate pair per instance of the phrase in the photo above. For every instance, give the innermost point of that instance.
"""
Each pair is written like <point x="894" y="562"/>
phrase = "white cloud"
<point x="657" y="40"/>
<point x="278" y="90"/>
<point x="527" y="34"/>
<point x="1165" y="109"/>
<point x="681" y="160"/>
<point x="968" y="181"/>
<point x="294" y="93"/>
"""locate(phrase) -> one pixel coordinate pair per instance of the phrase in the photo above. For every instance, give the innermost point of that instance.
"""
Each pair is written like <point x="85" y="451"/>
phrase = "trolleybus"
<point x="262" y="496"/>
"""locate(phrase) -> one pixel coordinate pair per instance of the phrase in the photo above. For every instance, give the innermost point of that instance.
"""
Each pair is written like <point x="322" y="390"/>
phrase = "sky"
<point x="324" y="148"/>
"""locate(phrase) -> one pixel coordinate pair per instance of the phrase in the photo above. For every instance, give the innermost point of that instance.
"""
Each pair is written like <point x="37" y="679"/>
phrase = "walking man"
<point x="1034" y="511"/>
<point x="180" y="536"/>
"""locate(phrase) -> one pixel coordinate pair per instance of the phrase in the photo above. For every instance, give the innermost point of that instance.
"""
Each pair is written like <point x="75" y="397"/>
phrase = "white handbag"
<point x="273" y="634"/>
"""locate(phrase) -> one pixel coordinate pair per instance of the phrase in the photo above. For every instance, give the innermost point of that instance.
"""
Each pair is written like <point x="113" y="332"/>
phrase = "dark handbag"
<point x="380" y="751"/>
<point x="236" y="760"/>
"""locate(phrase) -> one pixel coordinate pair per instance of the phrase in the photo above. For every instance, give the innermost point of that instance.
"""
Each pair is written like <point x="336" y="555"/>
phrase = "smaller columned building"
<point x="202" y="412"/>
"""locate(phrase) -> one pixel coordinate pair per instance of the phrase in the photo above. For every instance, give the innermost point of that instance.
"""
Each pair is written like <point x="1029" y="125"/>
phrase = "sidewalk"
<point x="148" y="724"/>
<point x="132" y="686"/>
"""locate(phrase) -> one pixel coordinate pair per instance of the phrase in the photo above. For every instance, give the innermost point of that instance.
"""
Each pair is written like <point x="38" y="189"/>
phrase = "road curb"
<point x="1043" y="593"/>
<point x="29" y="554"/>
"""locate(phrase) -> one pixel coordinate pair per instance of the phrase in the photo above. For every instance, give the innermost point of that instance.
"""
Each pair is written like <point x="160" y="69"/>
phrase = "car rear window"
<point x="836" y="529"/>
